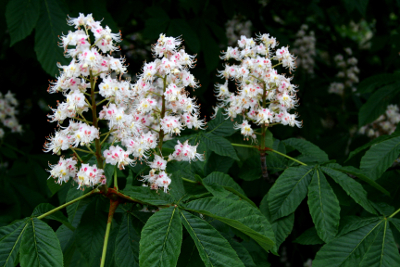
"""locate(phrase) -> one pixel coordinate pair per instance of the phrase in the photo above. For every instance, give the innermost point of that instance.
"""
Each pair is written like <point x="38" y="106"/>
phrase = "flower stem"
<point x="162" y="115"/>
<point x="76" y="154"/>
<point x="115" y="178"/>
<point x="95" y="121"/>
<point x="284" y="155"/>
<point x="113" y="207"/>
<point x="188" y="180"/>
<point x="68" y="203"/>
<point x="263" y="155"/>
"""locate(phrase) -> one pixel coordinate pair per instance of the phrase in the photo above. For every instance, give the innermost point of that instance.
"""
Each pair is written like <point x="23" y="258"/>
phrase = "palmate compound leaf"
<point x="161" y="239"/>
<point x="289" y="190"/>
<point x="127" y="243"/>
<point x="213" y="248"/>
<point x="370" y="245"/>
<point x="380" y="157"/>
<point x="324" y="206"/>
<point x="10" y="241"/>
<point x="40" y="246"/>
<point x="238" y="214"/>
<point x="352" y="188"/>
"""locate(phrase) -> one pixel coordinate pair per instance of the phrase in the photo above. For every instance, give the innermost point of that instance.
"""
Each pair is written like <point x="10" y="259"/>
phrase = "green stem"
<point x="82" y="150"/>
<point x="102" y="101"/>
<point x="189" y="181"/>
<point x="284" y="155"/>
<point x="243" y="145"/>
<point x="394" y="213"/>
<point x="161" y="134"/>
<point x="67" y="204"/>
<point x="113" y="207"/>
<point x="76" y="154"/>
<point x="115" y="178"/>
<point x="95" y="121"/>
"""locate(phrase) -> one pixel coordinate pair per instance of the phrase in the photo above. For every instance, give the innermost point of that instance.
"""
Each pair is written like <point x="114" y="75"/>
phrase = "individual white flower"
<point x="116" y="155"/>
<point x="63" y="170"/>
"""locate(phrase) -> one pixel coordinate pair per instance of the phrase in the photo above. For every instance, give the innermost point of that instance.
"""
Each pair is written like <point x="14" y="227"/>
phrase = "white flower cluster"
<point x="235" y="28"/>
<point x="163" y="107"/>
<point x="264" y="96"/>
<point x="385" y="124"/>
<point x="348" y="73"/>
<point x="304" y="47"/>
<point x="8" y="113"/>
<point x="139" y="117"/>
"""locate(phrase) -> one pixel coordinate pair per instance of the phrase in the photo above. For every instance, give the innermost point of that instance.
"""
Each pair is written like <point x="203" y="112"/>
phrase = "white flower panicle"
<point x="385" y="124"/>
<point x="139" y="117"/>
<point x="8" y="112"/>
<point x="264" y="97"/>
<point x="347" y="75"/>
<point x="304" y="48"/>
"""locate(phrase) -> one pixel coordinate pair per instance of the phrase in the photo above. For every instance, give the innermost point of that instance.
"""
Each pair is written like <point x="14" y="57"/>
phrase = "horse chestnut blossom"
<point x="8" y="112"/>
<point x="264" y="96"/>
<point x="385" y="124"/>
<point x="137" y="118"/>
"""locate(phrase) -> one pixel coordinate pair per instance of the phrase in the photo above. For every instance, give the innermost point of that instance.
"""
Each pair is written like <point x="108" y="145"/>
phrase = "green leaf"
<point x="281" y="227"/>
<point x="367" y="145"/>
<point x="396" y="223"/>
<point x="51" y="24"/>
<point x="58" y="215"/>
<point x="71" y="195"/>
<point x="219" y="145"/>
<point x="53" y="186"/>
<point x="220" y="125"/>
<point x="352" y="188"/>
<point x="370" y="245"/>
<point x="307" y="149"/>
<point x="21" y="17"/>
<point x="377" y="104"/>
<point x="223" y="180"/>
<point x="241" y="251"/>
<point x="324" y="206"/>
<point x="217" y="163"/>
<point x="251" y="169"/>
<point x="361" y="175"/>
<point x="8" y="153"/>
<point x="147" y="196"/>
<point x="289" y="190"/>
<point x="161" y="240"/>
<point x="90" y="232"/>
<point x="361" y="5"/>
<point x="380" y="157"/>
<point x="127" y="243"/>
<point x="369" y="84"/>
<point x="10" y="236"/>
<point x="213" y="248"/>
<point x="189" y="254"/>
<point x="179" y="27"/>
<point x="309" y="237"/>
<point x="209" y="47"/>
<point x="40" y="245"/>
<point x="238" y="214"/>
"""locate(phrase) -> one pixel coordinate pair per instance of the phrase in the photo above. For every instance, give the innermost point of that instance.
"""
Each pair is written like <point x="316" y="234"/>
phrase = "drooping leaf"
<point x="161" y="239"/>
<point x="377" y="104"/>
<point x="380" y="157"/>
<point x="324" y="206"/>
<point x="217" y="163"/>
<point x="219" y="145"/>
<point x="148" y="196"/>
<point x="289" y="190"/>
<point x="281" y="227"/>
<point x="309" y="237"/>
<point x="307" y="149"/>
<point x="51" y="24"/>
<point x="352" y="188"/>
<point x="377" y="140"/>
<point x="251" y="169"/>
<point x="370" y="245"/>
<point x="213" y="248"/>
<point x="21" y="17"/>
<point x="58" y="215"/>
<point x="369" y="84"/>
<point x="223" y="180"/>
<point x="90" y="232"/>
<point x="240" y="215"/>
<point x="361" y="175"/>
<point x="127" y="243"/>
<point x="10" y="242"/>
<point x="220" y="125"/>
<point x="259" y="257"/>
<point x="209" y="47"/>
<point x="189" y="254"/>
<point x="40" y="245"/>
